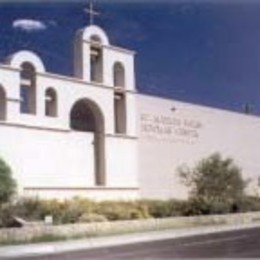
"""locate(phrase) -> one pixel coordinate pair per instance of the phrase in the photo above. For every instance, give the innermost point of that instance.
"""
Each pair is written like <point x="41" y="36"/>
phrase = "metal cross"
<point x="92" y="13"/>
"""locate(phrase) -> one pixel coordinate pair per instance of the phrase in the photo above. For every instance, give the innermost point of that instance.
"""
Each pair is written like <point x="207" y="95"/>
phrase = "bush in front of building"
<point x="216" y="185"/>
<point x="70" y="211"/>
<point x="164" y="208"/>
<point x="28" y="208"/>
<point x="122" y="210"/>
<point x="80" y="210"/>
<point x="158" y="208"/>
<point x="201" y="206"/>
<point x="77" y="210"/>
<point x="66" y="211"/>
<point x="249" y="203"/>
<point x="92" y="217"/>
<point x="6" y="214"/>
<point x="7" y="190"/>
<point x="7" y="183"/>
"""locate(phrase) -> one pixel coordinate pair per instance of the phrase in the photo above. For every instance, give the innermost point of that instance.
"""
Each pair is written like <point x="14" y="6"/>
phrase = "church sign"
<point x="169" y="128"/>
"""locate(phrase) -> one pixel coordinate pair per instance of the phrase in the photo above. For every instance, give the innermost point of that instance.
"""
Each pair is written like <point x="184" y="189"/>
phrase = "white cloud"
<point x="29" y="25"/>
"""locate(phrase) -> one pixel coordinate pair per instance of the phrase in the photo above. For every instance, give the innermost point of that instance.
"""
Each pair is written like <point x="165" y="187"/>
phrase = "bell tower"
<point x="98" y="63"/>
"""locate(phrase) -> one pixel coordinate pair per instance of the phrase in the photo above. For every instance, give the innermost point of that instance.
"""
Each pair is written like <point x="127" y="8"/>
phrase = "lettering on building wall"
<point x="170" y="128"/>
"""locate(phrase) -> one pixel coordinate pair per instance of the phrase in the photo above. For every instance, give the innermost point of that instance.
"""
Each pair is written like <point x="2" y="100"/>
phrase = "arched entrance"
<point x="86" y="116"/>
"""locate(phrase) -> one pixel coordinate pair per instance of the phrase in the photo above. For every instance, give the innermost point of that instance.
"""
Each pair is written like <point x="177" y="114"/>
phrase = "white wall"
<point x="56" y="164"/>
<point x="121" y="157"/>
<point x="50" y="160"/>
<point x="169" y="138"/>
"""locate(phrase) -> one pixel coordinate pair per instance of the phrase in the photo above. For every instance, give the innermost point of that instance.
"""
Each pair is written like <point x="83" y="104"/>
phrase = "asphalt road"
<point x="232" y="244"/>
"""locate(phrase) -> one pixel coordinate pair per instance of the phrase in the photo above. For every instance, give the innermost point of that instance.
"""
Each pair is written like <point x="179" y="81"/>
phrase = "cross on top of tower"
<point x="92" y="13"/>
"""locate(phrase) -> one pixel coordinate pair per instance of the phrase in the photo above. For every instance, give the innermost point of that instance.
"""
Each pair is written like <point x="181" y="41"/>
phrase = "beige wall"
<point x="173" y="133"/>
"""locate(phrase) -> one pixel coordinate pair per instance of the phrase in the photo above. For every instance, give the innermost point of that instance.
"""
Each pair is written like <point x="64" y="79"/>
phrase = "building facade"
<point x="93" y="135"/>
<point x="66" y="136"/>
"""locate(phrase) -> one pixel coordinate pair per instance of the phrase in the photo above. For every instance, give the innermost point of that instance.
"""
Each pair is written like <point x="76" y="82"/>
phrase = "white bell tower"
<point x="98" y="63"/>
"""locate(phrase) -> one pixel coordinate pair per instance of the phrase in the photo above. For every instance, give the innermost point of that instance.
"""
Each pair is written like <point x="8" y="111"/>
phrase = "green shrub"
<point x="30" y="209"/>
<point x="158" y="208"/>
<point x="118" y="210"/>
<point x="141" y="211"/>
<point x="6" y="216"/>
<point x="201" y="206"/>
<point x="216" y="185"/>
<point x="69" y="214"/>
<point x="111" y="210"/>
<point x="63" y="212"/>
<point x="85" y="204"/>
<point x="214" y="178"/>
<point x="54" y="208"/>
<point x="248" y="203"/>
<point x="73" y="209"/>
<point x="84" y="211"/>
<point x="7" y="183"/>
<point x="92" y="217"/>
<point x="165" y="208"/>
<point x="176" y="207"/>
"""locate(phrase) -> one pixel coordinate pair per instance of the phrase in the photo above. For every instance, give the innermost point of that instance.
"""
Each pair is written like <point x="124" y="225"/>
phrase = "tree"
<point x="214" y="180"/>
<point x="7" y="183"/>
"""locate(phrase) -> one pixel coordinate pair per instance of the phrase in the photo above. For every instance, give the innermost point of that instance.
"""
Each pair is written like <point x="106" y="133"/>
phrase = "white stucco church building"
<point x="93" y="135"/>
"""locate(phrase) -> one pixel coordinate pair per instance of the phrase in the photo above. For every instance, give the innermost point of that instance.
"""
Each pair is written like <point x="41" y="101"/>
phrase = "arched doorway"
<point x="86" y="116"/>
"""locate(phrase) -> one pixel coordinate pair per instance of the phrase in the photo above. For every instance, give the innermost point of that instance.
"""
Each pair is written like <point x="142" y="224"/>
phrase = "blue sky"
<point x="203" y="52"/>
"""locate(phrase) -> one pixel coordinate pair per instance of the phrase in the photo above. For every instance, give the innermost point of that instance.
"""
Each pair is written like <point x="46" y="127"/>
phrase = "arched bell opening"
<point x="119" y="75"/>
<point x="96" y="59"/>
<point x="28" y="88"/>
<point x="51" y="105"/>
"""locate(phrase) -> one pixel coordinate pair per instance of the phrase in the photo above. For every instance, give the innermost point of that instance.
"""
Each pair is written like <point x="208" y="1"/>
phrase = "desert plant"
<point x="215" y="183"/>
<point x="7" y="183"/>
<point x="121" y="210"/>
<point x="92" y="217"/>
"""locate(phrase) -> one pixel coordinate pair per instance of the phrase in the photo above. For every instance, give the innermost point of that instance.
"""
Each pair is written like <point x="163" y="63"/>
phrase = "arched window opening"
<point x="2" y="104"/>
<point x="95" y="39"/>
<point x="86" y="116"/>
<point x="28" y="89"/>
<point x="120" y="113"/>
<point x="51" y="103"/>
<point x="96" y="60"/>
<point x="119" y="75"/>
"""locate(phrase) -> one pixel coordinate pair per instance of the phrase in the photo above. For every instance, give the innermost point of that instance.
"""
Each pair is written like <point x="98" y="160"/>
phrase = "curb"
<point x="92" y="243"/>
